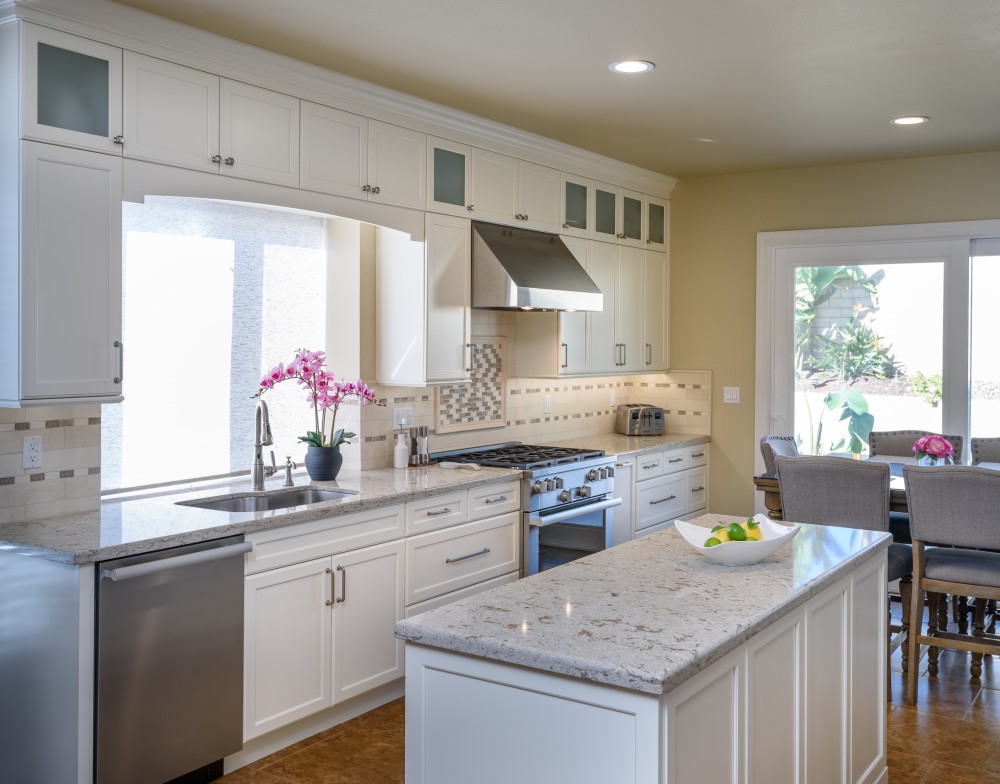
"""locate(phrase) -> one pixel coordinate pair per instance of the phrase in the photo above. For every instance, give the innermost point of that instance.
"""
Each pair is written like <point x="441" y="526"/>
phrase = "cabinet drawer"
<point x="454" y="596"/>
<point x="697" y="455"/>
<point x="650" y="466"/>
<point x="494" y="499"/>
<point x="329" y="536"/>
<point x="444" y="561"/>
<point x="695" y="489"/>
<point x="676" y="460"/>
<point x="439" y="511"/>
<point x="659" y="500"/>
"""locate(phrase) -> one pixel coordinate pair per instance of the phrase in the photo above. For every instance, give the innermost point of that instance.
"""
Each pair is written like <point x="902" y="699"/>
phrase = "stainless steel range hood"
<point x="520" y="269"/>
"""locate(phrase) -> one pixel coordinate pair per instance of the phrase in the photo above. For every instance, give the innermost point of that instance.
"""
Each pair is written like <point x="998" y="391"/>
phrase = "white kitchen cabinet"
<point x="512" y="191"/>
<point x="423" y="310"/>
<point x="320" y="632"/>
<point x="670" y="484"/>
<point x="624" y="521"/>
<point x="185" y="117"/>
<point x="619" y="215"/>
<point x="449" y="177"/>
<point x="615" y="334"/>
<point x="71" y="90"/>
<point x="577" y="206"/>
<point x="555" y="343"/>
<point x="655" y="311"/>
<point x="657" y="223"/>
<point x="62" y="276"/>
<point x="397" y="165"/>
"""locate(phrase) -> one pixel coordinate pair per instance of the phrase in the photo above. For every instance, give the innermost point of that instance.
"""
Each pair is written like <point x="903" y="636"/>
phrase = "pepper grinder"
<point x="418" y="446"/>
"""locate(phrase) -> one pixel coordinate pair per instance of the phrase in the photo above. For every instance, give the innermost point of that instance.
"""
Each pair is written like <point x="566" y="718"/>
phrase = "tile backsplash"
<point x="69" y="479"/>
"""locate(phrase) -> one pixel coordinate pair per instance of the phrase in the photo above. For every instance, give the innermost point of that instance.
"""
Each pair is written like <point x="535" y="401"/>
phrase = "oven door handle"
<point x="579" y="511"/>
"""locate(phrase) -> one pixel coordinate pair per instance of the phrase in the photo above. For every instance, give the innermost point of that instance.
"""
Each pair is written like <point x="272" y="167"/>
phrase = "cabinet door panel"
<point x="71" y="273"/>
<point x="574" y="353"/>
<point x="397" y="165"/>
<point x="826" y="678"/>
<point x="260" y="134"/>
<point x="628" y="312"/>
<point x="695" y="489"/>
<point x="496" y="187"/>
<point x="633" y="217"/>
<point x="657" y="223"/>
<point x="449" y="177"/>
<point x="577" y="206"/>
<point x="659" y="500"/>
<point x="606" y="217"/>
<point x="366" y="652"/>
<point x="654" y="312"/>
<point x="603" y="345"/>
<point x="334" y="151"/>
<point x="449" y="291"/>
<point x="171" y="113"/>
<point x="538" y="195"/>
<point x="287" y="651"/>
<point x="624" y="524"/>
<point x="71" y="91"/>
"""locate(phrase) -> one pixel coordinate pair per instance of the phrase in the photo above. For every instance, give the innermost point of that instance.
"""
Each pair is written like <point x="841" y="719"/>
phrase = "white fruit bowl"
<point x="774" y="536"/>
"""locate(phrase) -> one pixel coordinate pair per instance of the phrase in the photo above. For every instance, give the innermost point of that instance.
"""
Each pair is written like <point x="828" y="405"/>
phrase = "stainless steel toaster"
<point x="639" y="419"/>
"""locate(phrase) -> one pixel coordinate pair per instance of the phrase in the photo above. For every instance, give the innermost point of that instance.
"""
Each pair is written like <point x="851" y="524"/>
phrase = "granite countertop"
<point x="140" y="522"/>
<point x="630" y="446"/>
<point x="645" y="615"/>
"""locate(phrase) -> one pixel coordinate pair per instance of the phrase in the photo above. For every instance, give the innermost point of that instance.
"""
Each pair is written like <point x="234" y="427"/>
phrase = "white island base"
<point x="802" y="700"/>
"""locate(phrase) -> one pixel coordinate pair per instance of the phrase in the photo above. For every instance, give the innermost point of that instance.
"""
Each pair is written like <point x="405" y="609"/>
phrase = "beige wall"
<point x="714" y="224"/>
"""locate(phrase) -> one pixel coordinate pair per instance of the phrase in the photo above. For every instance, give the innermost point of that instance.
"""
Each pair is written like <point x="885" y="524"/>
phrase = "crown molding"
<point x="139" y="31"/>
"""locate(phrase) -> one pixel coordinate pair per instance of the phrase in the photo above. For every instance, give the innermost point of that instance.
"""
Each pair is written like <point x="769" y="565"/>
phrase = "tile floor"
<point x="952" y="736"/>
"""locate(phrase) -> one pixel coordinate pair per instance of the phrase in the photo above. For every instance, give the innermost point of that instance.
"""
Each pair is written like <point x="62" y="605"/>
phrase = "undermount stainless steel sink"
<point x="280" y="499"/>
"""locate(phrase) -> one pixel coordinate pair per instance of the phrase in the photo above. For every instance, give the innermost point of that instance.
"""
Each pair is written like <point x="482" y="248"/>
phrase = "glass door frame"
<point x="779" y="253"/>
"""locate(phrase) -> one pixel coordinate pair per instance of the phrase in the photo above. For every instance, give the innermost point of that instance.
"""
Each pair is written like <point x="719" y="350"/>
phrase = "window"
<point x="213" y="292"/>
<point x="900" y="315"/>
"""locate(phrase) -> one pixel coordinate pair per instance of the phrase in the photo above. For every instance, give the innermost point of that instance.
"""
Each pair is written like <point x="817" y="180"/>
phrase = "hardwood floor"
<point x="952" y="736"/>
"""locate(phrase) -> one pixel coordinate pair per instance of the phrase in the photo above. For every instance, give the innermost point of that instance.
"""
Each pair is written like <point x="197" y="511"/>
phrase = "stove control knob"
<point x="603" y="473"/>
<point x="559" y="482"/>
<point x="592" y="475"/>
<point x="565" y="497"/>
<point x="550" y="484"/>
<point x="583" y="492"/>
<point x="611" y="471"/>
<point x="538" y="487"/>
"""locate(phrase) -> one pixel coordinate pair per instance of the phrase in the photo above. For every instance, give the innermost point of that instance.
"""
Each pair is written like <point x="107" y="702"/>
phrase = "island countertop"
<point x="645" y="615"/>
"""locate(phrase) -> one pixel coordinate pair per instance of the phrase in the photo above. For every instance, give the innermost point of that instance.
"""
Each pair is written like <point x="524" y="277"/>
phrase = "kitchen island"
<point x="649" y="663"/>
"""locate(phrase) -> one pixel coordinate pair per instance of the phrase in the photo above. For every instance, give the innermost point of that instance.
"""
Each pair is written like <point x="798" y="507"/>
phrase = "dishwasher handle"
<point x="188" y="559"/>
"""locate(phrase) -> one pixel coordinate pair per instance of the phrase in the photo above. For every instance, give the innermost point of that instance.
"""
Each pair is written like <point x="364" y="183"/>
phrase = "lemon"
<point x="736" y="533"/>
<point x="711" y="542"/>
<point x="753" y="535"/>
<point x="721" y="535"/>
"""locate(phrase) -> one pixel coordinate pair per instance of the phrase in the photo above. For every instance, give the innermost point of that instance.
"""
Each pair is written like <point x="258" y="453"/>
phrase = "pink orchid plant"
<point x="323" y="392"/>
<point x="934" y="446"/>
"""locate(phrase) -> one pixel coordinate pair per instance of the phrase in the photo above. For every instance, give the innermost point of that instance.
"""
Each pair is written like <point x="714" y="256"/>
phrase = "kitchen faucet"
<point x="261" y="438"/>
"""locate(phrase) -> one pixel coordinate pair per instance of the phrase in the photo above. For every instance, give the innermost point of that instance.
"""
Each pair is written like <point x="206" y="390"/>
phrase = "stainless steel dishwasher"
<point x="169" y="678"/>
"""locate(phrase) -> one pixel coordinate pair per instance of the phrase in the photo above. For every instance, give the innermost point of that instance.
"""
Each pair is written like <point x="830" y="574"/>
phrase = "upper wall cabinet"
<point x="185" y="117"/>
<point x="657" y="223"/>
<point x="508" y="190"/>
<point x="349" y="155"/>
<point x="619" y="215"/>
<point x="577" y="206"/>
<point x="71" y="90"/>
<point x="449" y="177"/>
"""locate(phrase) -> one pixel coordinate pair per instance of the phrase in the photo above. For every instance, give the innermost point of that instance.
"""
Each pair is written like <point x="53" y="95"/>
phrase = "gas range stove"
<point x="527" y="457"/>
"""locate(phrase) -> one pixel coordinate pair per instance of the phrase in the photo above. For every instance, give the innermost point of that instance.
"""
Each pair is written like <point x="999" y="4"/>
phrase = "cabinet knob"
<point x="216" y="159"/>
<point x="565" y="225"/>
<point x="367" y="188"/>
<point x="649" y="242"/>
<point x="376" y="189"/>
<point x="229" y="161"/>
<point x="471" y="207"/>
<point x="119" y="140"/>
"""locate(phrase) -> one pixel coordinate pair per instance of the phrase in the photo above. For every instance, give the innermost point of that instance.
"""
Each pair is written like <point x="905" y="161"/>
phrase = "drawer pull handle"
<point x="697" y="489"/>
<point x="484" y="551"/>
<point x="676" y="460"/>
<point x="697" y="454"/>
<point x="663" y="500"/>
<point x="496" y="500"/>
<point x="446" y="510"/>
<point x="650" y="465"/>
<point x="333" y="588"/>
<point x="343" y="584"/>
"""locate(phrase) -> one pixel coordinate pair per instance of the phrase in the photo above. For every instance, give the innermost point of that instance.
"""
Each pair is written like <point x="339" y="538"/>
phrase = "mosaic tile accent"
<point x="480" y="403"/>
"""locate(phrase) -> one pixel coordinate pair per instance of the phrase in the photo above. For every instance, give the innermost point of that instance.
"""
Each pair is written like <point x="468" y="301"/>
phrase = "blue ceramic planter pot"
<point x="323" y="462"/>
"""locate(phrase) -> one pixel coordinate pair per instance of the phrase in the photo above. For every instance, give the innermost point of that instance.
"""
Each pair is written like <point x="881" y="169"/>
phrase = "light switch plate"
<point x="32" y="452"/>
<point x="402" y="417"/>
<point x="730" y="394"/>
<point x="547" y="404"/>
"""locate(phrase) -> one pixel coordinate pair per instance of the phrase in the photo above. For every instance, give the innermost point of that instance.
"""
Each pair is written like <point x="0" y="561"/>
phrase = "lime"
<point x="736" y="533"/>
<point x="751" y="523"/>
<point x="711" y="542"/>
<point x="718" y="528"/>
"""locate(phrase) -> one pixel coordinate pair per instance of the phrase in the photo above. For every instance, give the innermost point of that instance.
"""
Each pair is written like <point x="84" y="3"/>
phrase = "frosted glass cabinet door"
<point x="449" y="177"/>
<point x="71" y="274"/>
<point x="607" y="221"/>
<point x="633" y="207"/>
<point x="71" y="91"/>
<point x="577" y="206"/>
<point x="657" y="223"/>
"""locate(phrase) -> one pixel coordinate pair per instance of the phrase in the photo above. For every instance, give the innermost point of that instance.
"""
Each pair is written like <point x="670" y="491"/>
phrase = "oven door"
<point x="556" y="537"/>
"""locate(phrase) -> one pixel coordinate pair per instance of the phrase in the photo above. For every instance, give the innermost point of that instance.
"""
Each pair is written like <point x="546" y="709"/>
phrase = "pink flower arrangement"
<point x="933" y="446"/>
<point x="323" y="392"/>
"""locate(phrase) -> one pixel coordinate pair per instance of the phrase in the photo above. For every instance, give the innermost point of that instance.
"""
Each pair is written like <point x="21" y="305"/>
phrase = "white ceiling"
<point x="773" y="83"/>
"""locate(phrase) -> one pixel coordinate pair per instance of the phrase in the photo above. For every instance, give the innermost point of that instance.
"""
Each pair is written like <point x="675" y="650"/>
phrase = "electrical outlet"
<point x="402" y="417"/>
<point x="612" y="397"/>
<point x="32" y="452"/>
<point x="547" y="404"/>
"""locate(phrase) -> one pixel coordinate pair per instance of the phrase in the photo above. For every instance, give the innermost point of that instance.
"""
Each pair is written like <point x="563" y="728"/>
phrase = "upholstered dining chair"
<point x="853" y="494"/>
<point x="956" y="506"/>
<point x="900" y="442"/>
<point x="771" y="446"/>
<point x="985" y="450"/>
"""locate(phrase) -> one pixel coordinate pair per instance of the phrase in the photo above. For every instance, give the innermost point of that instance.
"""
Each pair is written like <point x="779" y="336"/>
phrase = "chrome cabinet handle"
<point x="649" y="353"/>
<point x="446" y="510"/>
<point x="499" y="500"/>
<point x="697" y="454"/>
<point x="121" y="361"/>
<point x="333" y="588"/>
<point x="229" y="161"/>
<point x="468" y="368"/>
<point x="697" y="489"/>
<point x="119" y="140"/>
<point x="216" y="159"/>
<point x="624" y="354"/>
<point x="565" y="348"/>
<point x="650" y="465"/>
<point x="343" y="584"/>
<point x="676" y="460"/>
<point x="175" y="562"/>
<point x="663" y="500"/>
<point x="484" y="551"/>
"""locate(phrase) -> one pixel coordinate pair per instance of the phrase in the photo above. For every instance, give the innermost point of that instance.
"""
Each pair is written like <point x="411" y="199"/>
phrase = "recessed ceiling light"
<point x="910" y="120"/>
<point x="631" y="66"/>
